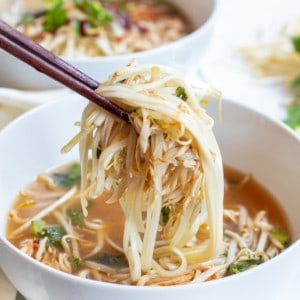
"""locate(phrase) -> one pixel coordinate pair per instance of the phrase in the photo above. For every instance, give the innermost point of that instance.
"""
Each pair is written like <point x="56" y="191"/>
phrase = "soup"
<point x="101" y="28"/>
<point x="162" y="178"/>
<point x="91" y="246"/>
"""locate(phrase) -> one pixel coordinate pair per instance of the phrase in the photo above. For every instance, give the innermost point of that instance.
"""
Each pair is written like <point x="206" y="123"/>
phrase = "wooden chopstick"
<point x="20" y="39"/>
<point x="46" y="62"/>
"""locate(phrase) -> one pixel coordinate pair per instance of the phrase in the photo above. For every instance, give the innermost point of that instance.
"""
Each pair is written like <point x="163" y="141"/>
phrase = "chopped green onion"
<point x="243" y="265"/>
<point x="281" y="236"/>
<point x="181" y="93"/>
<point x="37" y="226"/>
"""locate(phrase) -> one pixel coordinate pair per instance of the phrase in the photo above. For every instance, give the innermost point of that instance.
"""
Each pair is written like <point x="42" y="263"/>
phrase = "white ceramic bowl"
<point x="249" y="141"/>
<point x="185" y="53"/>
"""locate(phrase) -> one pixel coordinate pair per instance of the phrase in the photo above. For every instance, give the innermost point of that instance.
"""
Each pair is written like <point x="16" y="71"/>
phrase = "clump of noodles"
<point x="164" y="168"/>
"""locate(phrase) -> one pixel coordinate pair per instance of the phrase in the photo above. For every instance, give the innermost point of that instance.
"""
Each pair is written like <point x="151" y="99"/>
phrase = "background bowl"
<point x="249" y="141"/>
<point x="184" y="53"/>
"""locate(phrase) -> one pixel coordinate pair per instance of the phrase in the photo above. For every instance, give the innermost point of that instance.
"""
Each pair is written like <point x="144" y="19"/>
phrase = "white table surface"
<point x="241" y="23"/>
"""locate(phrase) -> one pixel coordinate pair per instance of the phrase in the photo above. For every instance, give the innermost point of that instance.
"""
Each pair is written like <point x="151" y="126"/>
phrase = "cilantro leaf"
<point x="293" y="116"/>
<point x="112" y="260"/>
<point x="69" y="179"/>
<point x="75" y="263"/>
<point x="96" y="14"/>
<point x="75" y="171"/>
<point x="54" y="233"/>
<point x="76" y="217"/>
<point x="243" y="265"/>
<point x="181" y="93"/>
<point x="296" y="42"/>
<point x="55" y="17"/>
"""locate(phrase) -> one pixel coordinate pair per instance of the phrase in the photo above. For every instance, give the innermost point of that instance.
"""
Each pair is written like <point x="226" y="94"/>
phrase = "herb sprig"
<point x="68" y="179"/>
<point x="55" y="17"/>
<point x="54" y="233"/>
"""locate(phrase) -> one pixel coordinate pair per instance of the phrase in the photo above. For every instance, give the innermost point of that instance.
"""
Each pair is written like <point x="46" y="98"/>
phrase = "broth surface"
<point x="254" y="196"/>
<point x="240" y="189"/>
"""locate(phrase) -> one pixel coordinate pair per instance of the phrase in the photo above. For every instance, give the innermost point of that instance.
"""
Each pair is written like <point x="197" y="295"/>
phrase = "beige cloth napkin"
<point x="7" y="290"/>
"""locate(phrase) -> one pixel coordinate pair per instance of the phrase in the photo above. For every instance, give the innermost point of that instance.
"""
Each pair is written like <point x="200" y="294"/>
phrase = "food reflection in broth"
<point x="255" y="229"/>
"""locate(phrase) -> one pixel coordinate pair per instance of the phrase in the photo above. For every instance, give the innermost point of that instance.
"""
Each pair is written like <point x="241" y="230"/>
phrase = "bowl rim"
<point x="135" y="288"/>
<point x="4" y="243"/>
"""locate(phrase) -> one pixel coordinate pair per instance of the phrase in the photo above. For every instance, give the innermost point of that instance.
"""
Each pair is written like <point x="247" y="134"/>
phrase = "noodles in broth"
<point x="162" y="177"/>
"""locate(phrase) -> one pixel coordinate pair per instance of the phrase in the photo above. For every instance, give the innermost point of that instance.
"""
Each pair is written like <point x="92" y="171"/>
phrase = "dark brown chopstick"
<point x="46" y="62"/>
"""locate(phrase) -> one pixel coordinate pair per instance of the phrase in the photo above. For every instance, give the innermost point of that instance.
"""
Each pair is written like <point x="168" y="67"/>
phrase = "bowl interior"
<point x="257" y="144"/>
<point x="185" y="51"/>
<point x="249" y="142"/>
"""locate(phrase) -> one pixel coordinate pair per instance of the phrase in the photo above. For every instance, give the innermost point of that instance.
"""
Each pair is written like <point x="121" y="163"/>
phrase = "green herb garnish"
<point x="112" y="260"/>
<point x="296" y="83"/>
<point x="281" y="236"/>
<point x="296" y="42"/>
<point x="54" y="233"/>
<point x="55" y="17"/>
<point x="293" y="116"/>
<point x="75" y="263"/>
<point x="70" y="179"/>
<point x="181" y="93"/>
<point x="96" y="14"/>
<point x="165" y="214"/>
<point x="37" y="226"/>
<point x="243" y="265"/>
<point x="76" y="217"/>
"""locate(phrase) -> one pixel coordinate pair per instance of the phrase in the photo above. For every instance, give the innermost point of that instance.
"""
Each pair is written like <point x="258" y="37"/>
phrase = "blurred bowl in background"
<point x="184" y="54"/>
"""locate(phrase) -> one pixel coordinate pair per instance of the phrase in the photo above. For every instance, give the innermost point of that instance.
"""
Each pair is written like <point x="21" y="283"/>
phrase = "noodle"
<point x="156" y="154"/>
